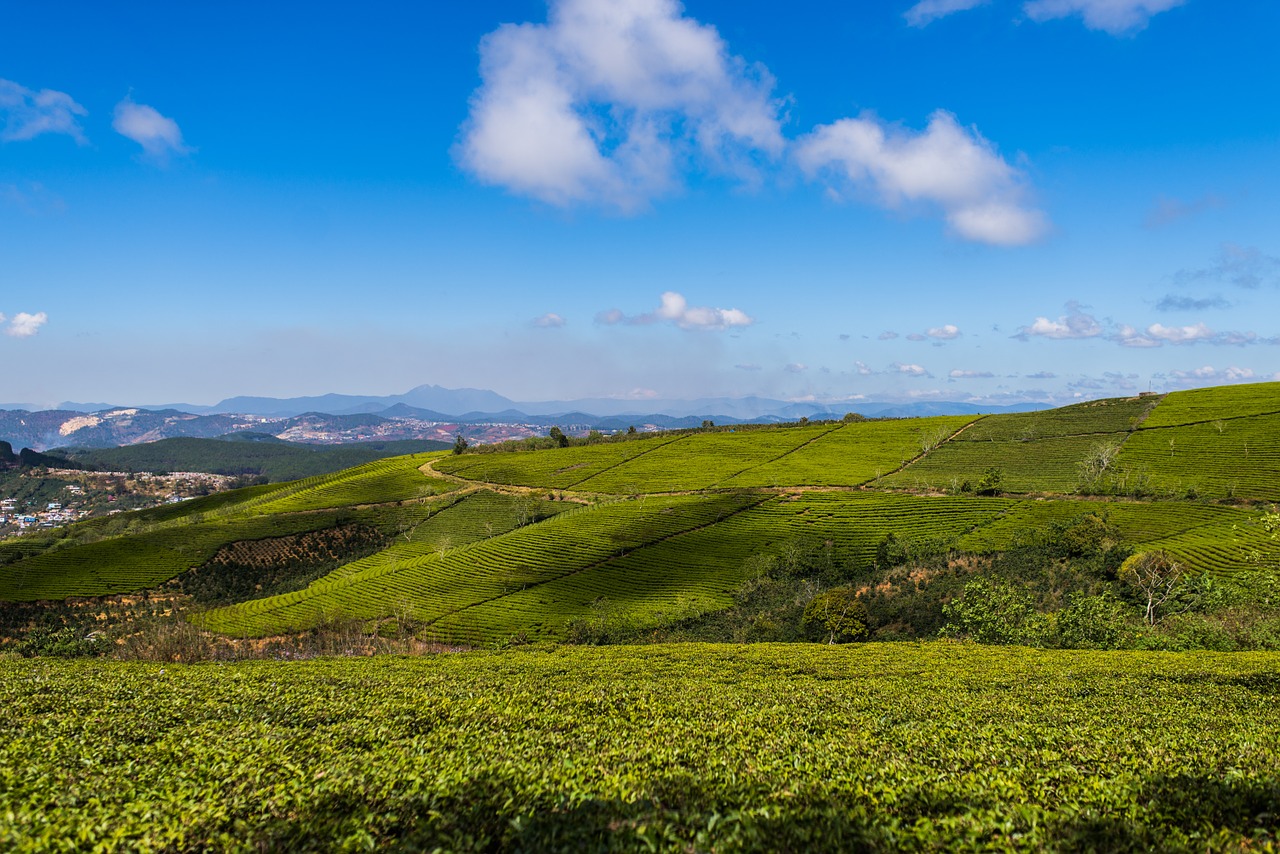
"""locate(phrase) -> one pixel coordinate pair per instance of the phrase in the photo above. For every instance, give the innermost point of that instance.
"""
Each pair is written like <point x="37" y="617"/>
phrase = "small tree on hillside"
<point x="837" y="616"/>
<point x="459" y="444"/>
<point x="1156" y="576"/>
<point x="559" y="437"/>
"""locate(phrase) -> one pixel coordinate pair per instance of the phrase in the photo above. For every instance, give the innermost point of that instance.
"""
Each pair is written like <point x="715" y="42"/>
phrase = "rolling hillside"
<point x="482" y="546"/>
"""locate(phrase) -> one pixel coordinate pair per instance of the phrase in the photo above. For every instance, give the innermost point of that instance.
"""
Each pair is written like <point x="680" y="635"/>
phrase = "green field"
<point x="879" y="747"/>
<point x="479" y="548"/>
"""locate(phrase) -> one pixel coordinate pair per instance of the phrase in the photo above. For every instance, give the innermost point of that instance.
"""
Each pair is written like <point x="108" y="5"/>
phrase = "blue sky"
<point x="950" y="199"/>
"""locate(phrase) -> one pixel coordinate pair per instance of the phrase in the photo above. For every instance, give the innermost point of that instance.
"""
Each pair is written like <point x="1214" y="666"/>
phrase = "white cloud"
<point x="1208" y="372"/>
<point x="927" y="11"/>
<point x="550" y="320"/>
<point x="602" y="104"/>
<point x="970" y="375"/>
<point x="887" y="335"/>
<point x="910" y="370"/>
<point x="158" y="135"/>
<point x="28" y="113"/>
<point x="675" y="309"/>
<point x="944" y="333"/>
<point x="796" y="368"/>
<point x="915" y="336"/>
<point x="1117" y="17"/>
<point x="1076" y="323"/>
<point x="982" y="197"/>
<point x="25" y="325"/>
<point x="1180" y="334"/>
<point x="862" y="369"/>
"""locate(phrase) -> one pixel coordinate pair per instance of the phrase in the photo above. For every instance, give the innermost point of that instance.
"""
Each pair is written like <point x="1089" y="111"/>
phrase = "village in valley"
<point x="53" y="498"/>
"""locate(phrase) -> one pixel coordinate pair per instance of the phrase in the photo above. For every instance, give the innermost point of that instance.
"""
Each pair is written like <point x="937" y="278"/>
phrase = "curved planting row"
<point x="1041" y="465"/>
<point x="1229" y="458"/>
<point x="1210" y="404"/>
<point x="141" y="560"/>
<point x="391" y="479"/>
<point x="555" y="468"/>
<point x="1114" y="415"/>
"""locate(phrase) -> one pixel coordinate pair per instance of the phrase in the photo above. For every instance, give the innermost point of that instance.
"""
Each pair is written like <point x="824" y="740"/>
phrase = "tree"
<point x="707" y="424"/>
<point x="991" y="612"/>
<point x="631" y="431"/>
<point x="559" y="437"/>
<point x="838" y="616"/>
<point x="1095" y="465"/>
<point x="459" y="444"/>
<point x="1155" y="575"/>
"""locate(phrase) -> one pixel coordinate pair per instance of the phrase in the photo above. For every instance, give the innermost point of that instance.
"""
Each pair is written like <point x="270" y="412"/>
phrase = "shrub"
<point x="993" y="612"/>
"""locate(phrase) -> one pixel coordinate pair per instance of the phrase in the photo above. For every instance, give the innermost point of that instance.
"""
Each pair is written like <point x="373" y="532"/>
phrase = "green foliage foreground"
<point x="689" y="747"/>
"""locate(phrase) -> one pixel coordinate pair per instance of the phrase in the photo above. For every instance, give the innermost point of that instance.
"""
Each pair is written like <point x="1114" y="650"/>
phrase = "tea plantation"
<point x="875" y="747"/>
<point x="482" y="547"/>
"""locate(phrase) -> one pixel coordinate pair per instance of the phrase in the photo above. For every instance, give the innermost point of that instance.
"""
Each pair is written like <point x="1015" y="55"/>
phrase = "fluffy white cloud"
<point x="1208" y="372"/>
<point x="550" y="320"/>
<point x="158" y="135"/>
<point x="28" y="113"/>
<point x="1076" y="323"/>
<point x="970" y="375"/>
<point x="910" y="370"/>
<point x="675" y="309"/>
<point x="944" y="333"/>
<point x="863" y="369"/>
<point x="982" y="197"/>
<point x="1116" y="17"/>
<point x="25" y="325"/>
<point x="602" y="103"/>
<point x="1180" y="334"/>
<point x="927" y="11"/>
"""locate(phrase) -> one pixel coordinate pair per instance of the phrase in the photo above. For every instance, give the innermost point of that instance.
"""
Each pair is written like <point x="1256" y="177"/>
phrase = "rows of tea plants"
<point x="855" y="454"/>
<point x="143" y="559"/>
<point x="554" y="468"/>
<point x="1112" y="415"/>
<point x="877" y="747"/>
<point x="1226" y="458"/>
<point x="1211" y="404"/>
<point x="456" y="521"/>
<point x="1038" y="465"/>
<point x="701" y="460"/>
<point x="435" y="585"/>
<point x="381" y="481"/>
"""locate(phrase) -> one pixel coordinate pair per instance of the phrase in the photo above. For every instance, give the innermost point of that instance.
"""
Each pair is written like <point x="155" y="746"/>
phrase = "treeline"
<point x="253" y="456"/>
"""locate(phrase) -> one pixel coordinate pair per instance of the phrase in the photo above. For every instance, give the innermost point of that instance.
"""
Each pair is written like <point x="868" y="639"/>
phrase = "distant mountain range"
<point x="426" y="412"/>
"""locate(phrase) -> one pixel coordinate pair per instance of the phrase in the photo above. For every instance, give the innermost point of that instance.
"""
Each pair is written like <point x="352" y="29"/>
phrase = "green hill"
<point x="479" y="547"/>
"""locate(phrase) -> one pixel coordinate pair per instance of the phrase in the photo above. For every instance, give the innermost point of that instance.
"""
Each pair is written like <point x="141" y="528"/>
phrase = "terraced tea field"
<point x="485" y="546"/>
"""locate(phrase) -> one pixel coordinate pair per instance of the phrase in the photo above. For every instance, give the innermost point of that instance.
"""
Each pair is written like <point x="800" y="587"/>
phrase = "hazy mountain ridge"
<point x="426" y="412"/>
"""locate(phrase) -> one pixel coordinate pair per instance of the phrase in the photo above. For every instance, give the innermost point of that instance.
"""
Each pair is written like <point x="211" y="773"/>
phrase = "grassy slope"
<point x="472" y="567"/>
